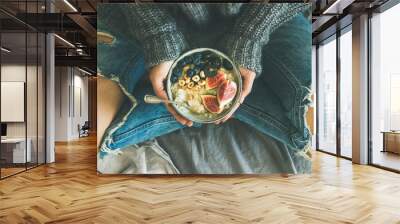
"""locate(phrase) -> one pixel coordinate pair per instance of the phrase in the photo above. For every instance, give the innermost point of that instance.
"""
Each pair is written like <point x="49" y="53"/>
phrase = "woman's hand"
<point x="248" y="77"/>
<point x="157" y="75"/>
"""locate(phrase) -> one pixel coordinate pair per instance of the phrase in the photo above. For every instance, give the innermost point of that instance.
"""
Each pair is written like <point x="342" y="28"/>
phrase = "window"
<point x="22" y="76"/>
<point x="346" y="93"/>
<point x="385" y="89"/>
<point x="327" y="96"/>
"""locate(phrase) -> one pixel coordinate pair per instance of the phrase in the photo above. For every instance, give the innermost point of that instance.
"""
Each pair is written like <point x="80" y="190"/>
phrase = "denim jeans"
<point x="276" y="105"/>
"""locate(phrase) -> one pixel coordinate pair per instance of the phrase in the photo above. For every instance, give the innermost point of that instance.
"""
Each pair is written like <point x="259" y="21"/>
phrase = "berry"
<point x="210" y="72"/>
<point x="180" y="64"/>
<point x="191" y="72"/>
<point x="214" y="62"/>
<point x="196" y="61"/>
<point x="201" y="66"/>
<point x="188" y="60"/>
<point x="176" y="71"/>
<point x="174" y="78"/>
<point x="227" y="65"/>
<point x="196" y="58"/>
<point x="196" y="70"/>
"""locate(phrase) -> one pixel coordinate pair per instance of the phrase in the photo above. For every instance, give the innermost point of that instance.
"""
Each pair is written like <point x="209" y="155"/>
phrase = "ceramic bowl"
<point x="184" y="111"/>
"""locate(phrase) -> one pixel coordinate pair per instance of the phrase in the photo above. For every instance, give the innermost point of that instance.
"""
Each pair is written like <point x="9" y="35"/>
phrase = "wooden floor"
<point x="5" y="172"/>
<point x="70" y="191"/>
<point x="387" y="159"/>
<point x="8" y="171"/>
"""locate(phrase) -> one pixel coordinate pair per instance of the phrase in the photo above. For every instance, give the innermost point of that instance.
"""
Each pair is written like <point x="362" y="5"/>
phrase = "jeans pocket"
<point x="294" y="96"/>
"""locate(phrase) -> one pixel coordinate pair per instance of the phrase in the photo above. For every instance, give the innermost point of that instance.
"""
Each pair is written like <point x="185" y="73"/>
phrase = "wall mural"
<point x="203" y="88"/>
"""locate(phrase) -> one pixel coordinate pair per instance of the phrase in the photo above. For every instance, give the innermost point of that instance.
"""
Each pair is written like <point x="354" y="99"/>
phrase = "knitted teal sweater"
<point x="240" y="30"/>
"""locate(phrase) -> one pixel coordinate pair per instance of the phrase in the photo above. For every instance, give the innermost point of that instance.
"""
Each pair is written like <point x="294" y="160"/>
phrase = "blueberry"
<point x="180" y="64"/>
<point x="188" y="60"/>
<point x="174" y="78"/>
<point x="183" y="62"/>
<point x="196" y="56"/>
<point x="197" y="61"/>
<point x="210" y="72"/>
<point x="200" y="66"/>
<point x="191" y="72"/>
<point x="227" y="64"/>
<point x="176" y="70"/>
<point x="214" y="62"/>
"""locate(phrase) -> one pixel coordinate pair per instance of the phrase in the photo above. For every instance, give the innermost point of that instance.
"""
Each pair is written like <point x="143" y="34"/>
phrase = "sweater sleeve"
<point x="156" y="31"/>
<point x="253" y="28"/>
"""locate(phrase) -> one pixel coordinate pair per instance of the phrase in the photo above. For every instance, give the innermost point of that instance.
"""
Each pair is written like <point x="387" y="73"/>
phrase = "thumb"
<point x="157" y="75"/>
<point x="159" y="90"/>
<point x="248" y="79"/>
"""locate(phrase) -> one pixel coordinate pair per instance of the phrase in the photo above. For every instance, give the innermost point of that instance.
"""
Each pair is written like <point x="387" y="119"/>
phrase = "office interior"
<point x="334" y="74"/>
<point x="59" y="56"/>
<point x="44" y="96"/>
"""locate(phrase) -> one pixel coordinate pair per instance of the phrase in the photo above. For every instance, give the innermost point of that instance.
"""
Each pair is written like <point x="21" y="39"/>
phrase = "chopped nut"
<point x="181" y="83"/>
<point x="196" y="78"/>
<point x="202" y="75"/>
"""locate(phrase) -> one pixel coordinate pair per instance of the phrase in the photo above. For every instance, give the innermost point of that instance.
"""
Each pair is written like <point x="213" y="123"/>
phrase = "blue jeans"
<point x="276" y="106"/>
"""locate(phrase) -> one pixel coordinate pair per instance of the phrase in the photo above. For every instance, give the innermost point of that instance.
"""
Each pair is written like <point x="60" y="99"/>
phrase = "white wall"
<point x="80" y="111"/>
<point x="33" y="127"/>
<point x="61" y="103"/>
<point x="12" y="73"/>
<point x="71" y="93"/>
<point x="16" y="73"/>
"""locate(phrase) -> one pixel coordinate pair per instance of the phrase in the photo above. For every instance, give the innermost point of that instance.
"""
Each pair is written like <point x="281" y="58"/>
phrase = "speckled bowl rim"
<point x="235" y="100"/>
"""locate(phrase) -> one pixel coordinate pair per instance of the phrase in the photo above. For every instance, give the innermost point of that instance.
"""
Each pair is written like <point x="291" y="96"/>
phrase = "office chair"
<point x="84" y="130"/>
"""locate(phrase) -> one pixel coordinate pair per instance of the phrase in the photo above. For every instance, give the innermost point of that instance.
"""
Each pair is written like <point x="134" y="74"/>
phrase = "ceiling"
<point x="75" y="21"/>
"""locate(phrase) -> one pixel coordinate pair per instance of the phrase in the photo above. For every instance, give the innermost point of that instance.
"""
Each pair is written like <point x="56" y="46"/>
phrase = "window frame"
<point x="381" y="9"/>
<point x="27" y="29"/>
<point x="334" y="37"/>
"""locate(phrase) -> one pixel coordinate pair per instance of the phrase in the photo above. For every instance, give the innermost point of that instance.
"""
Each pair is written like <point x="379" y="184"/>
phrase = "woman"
<point x="270" y="42"/>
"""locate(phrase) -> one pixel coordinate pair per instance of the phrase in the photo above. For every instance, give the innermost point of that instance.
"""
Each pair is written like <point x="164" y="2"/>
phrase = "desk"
<point x="16" y="147"/>
<point x="391" y="141"/>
